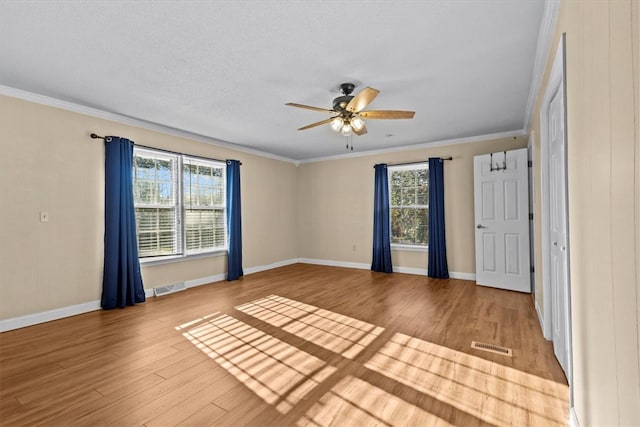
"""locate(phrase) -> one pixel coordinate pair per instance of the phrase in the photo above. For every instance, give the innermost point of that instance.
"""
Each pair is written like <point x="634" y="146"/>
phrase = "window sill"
<point x="409" y="248"/>
<point x="147" y="262"/>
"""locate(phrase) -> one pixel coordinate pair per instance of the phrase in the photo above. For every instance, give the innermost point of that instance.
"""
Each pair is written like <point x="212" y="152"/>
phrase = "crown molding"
<point x="456" y="141"/>
<point x="545" y="35"/>
<point x="119" y="118"/>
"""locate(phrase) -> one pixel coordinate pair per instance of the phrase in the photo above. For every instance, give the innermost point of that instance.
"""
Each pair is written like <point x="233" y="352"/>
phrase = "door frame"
<point x="531" y="152"/>
<point x="556" y="78"/>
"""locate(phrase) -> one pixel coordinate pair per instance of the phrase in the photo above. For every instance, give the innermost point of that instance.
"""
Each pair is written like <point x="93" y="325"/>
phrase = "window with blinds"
<point x="156" y="203"/>
<point x="179" y="204"/>
<point x="204" y="205"/>
<point x="409" y="204"/>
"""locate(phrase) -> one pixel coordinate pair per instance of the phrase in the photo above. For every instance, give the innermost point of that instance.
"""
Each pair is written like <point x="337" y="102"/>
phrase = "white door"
<point x="558" y="230"/>
<point x="501" y="191"/>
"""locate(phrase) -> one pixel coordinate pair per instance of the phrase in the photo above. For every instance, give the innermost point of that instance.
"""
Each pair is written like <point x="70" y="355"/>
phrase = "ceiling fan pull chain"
<point x="349" y="139"/>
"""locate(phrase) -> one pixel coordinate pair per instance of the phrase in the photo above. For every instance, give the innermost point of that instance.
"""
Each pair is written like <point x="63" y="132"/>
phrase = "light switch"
<point x="44" y="216"/>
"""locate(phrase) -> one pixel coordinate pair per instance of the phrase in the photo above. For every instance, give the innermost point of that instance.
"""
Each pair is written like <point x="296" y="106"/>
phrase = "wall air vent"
<point x="169" y="289"/>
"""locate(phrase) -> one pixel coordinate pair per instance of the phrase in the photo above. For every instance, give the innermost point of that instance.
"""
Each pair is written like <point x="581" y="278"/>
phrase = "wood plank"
<point x="77" y="412"/>
<point x="208" y="415"/>
<point x="195" y="406"/>
<point x="42" y="414"/>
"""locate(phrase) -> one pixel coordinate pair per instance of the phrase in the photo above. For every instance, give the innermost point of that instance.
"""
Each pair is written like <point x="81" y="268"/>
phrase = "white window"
<point x="409" y="204"/>
<point x="179" y="204"/>
<point x="204" y="202"/>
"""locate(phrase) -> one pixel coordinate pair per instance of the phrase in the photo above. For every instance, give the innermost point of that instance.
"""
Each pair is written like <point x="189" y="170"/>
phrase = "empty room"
<point x="320" y="213"/>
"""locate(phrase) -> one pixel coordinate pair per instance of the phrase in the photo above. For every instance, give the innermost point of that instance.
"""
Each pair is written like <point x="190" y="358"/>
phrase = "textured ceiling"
<point x="225" y="69"/>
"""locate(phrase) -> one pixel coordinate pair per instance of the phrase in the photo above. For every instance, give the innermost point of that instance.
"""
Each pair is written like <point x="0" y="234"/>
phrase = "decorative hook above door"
<point x="498" y="166"/>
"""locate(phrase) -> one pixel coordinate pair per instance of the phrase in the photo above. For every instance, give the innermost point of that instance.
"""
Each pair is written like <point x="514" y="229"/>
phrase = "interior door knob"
<point x="480" y="226"/>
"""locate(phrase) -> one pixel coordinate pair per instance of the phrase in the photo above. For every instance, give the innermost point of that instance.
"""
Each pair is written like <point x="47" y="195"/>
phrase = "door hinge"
<point x="530" y="163"/>
<point x="533" y="270"/>
<point x="531" y="216"/>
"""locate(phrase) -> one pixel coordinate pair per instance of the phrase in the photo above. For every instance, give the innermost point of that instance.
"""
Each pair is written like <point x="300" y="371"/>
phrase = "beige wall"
<point x="48" y="163"/>
<point x="601" y="43"/>
<point x="336" y="205"/>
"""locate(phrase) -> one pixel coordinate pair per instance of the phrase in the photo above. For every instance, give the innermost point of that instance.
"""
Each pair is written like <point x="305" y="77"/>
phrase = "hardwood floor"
<point x="299" y="345"/>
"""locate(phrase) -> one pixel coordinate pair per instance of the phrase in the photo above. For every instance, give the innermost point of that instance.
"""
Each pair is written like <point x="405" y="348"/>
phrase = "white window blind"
<point x="409" y="204"/>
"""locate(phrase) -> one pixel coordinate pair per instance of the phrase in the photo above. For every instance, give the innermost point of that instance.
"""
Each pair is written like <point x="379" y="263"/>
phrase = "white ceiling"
<point x="225" y="69"/>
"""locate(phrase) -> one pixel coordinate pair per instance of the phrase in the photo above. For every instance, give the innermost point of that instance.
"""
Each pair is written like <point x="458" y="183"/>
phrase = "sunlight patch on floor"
<point x="336" y="332"/>
<point x="277" y="372"/>
<point x="282" y="374"/>
<point x="494" y="393"/>
<point x="356" y="402"/>
<point x="195" y="321"/>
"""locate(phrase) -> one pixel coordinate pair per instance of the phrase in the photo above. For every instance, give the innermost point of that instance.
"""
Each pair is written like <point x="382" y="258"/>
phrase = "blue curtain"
<point x="234" y="221"/>
<point x="437" y="266"/>
<point x="381" y="224"/>
<point x="121" y="280"/>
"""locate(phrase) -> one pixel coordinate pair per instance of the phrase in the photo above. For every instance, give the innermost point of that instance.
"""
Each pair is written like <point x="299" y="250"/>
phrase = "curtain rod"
<point x="94" y="136"/>
<point x="417" y="163"/>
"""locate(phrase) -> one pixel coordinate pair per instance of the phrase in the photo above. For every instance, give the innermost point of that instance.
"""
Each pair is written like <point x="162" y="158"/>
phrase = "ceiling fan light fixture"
<point x="357" y="123"/>
<point x="346" y="129"/>
<point x="336" y="124"/>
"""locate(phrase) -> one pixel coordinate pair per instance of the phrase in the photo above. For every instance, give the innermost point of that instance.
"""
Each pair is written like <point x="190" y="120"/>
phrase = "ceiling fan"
<point x="348" y="114"/>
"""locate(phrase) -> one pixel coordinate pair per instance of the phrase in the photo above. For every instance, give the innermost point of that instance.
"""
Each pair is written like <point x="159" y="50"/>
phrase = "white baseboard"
<point x="271" y="266"/>
<point x="462" y="276"/>
<point x="538" y="312"/>
<point x="404" y="270"/>
<point x="47" y="316"/>
<point x="332" y="263"/>
<point x="204" y="280"/>
<point x="410" y="270"/>
<point x="573" y="418"/>
<point x="540" y="318"/>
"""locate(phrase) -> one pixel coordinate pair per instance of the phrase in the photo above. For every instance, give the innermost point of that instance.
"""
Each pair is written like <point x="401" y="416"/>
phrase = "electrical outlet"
<point x="44" y="216"/>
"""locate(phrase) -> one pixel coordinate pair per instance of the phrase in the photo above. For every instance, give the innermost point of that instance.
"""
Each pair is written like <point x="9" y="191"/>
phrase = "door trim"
<point x="556" y="78"/>
<point x="531" y="152"/>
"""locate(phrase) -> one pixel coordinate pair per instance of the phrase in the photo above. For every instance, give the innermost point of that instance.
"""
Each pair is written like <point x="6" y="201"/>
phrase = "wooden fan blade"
<point x="309" y="107"/>
<point x="387" y="114"/>
<point x="320" y="123"/>
<point x="362" y="99"/>
<point x="361" y="131"/>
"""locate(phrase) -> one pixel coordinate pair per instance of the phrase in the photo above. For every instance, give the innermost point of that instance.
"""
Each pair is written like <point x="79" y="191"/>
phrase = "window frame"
<point x="180" y="208"/>
<point x="412" y="166"/>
